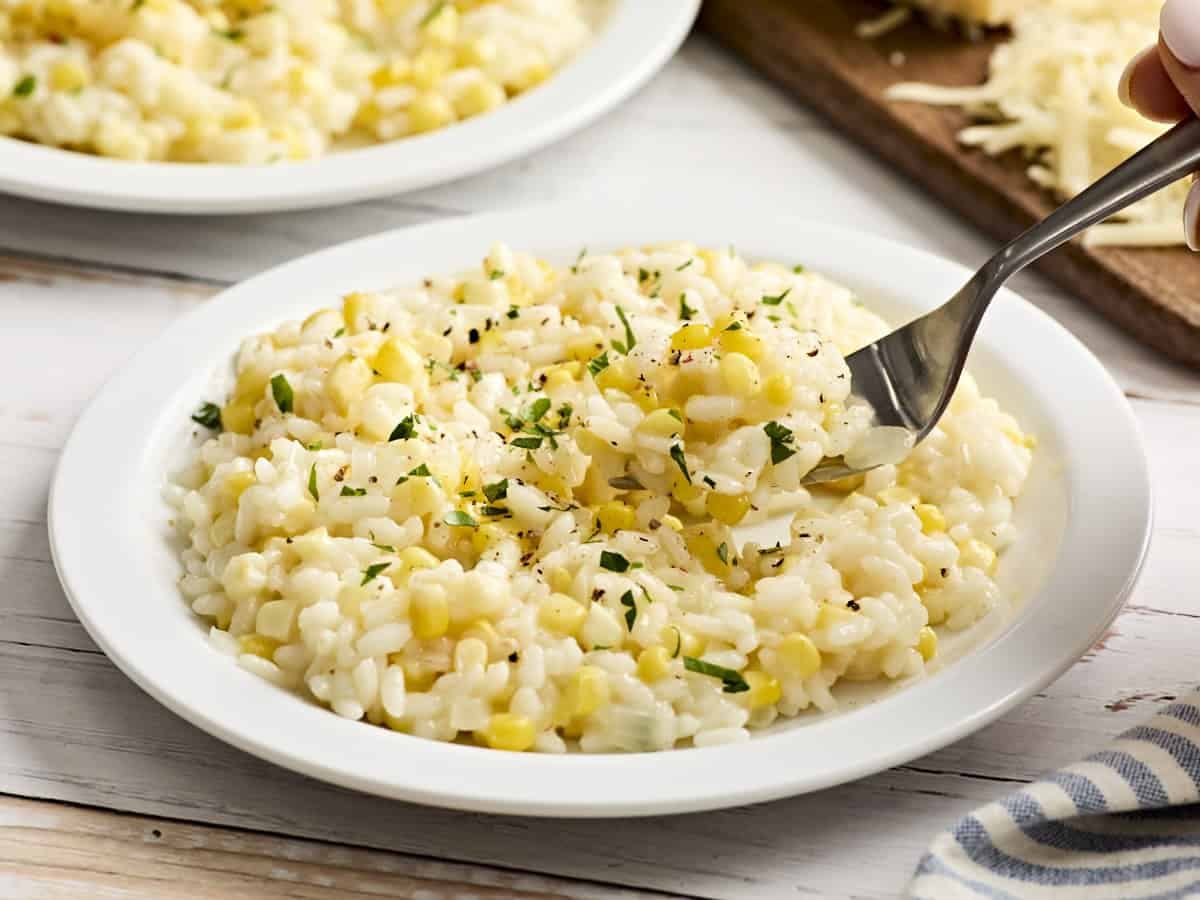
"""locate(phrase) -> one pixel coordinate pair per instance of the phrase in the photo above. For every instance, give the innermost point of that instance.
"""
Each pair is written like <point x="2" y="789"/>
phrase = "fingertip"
<point x="1191" y="218"/>
<point x="1147" y="86"/>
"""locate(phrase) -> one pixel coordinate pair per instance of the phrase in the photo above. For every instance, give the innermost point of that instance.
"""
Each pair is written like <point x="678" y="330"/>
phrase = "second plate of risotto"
<point x="478" y="516"/>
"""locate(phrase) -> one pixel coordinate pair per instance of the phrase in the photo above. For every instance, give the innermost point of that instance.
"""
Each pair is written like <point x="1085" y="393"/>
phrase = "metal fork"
<point x="909" y="376"/>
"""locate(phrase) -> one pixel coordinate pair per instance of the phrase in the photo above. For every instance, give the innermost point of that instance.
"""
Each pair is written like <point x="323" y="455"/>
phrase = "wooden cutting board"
<point x="810" y="48"/>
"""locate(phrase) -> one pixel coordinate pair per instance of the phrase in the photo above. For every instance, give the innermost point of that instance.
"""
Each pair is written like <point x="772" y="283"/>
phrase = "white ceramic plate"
<point x="635" y="40"/>
<point x="1084" y="519"/>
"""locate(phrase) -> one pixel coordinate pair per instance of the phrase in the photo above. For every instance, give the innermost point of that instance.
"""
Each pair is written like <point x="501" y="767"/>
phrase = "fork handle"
<point x="1161" y="163"/>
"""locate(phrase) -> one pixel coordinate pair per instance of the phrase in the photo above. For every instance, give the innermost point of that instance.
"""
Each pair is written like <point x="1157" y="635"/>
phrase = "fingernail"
<point x="1127" y="76"/>
<point x="1180" y="27"/>
<point x="1191" y="217"/>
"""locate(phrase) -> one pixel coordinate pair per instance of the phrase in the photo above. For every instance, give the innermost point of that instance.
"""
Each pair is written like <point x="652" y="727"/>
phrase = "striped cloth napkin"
<point x="1123" y="823"/>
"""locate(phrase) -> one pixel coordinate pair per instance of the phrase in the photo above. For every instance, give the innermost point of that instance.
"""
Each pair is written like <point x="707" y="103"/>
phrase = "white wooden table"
<point x="81" y="291"/>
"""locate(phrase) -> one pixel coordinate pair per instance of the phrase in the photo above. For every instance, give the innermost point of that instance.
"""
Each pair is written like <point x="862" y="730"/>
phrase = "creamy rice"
<point x="251" y="81"/>
<point x="501" y="505"/>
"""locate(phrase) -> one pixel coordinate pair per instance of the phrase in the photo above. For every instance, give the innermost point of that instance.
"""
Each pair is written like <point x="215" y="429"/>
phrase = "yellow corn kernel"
<point x="442" y="27"/>
<point x="616" y="516"/>
<point x="236" y="483"/>
<point x="68" y="75"/>
<point x="654" y="664"/>
<point x="429" y="111"/>
<point x="682" y="491"/>
<point x="727" y="508"/>
<point x="778" y="389"/>
<point x="740" y="374"/>
<point x="800" y="654"/>
<point x="702" y="546"/>
<point x="662" y="423"/>
<point x="553" y="484"/>
<point x="251" y="383"/>
<point x="485" y="631"/>
<point x="477" y="52"/>
<point x="831" y="615"/>
<point x="348" y="380"/>
<point x="354" y="305"/>
<point x="584" y="347"/>
<point x="238" y="415"/>
<point x="485" y="536"/>
<point x="898" y="494"/>
<point x="587" y="691"/>
<point x="394" y="72"/>
<point x="558" y="380"/>
<point x="417" y="678"/>
<point x="721" y="322"/>
<point x="764" y="689"/>
<point x="368" y="115"/>
<point x="429" y="67"/>
<point x="479" y="97"/>
<point x="615" y="377"/>
<point x="976" y="554"/>
<point x="846" y="485"/>
<point x="645" y="397"/>
<point x="559" y="580"/>
<point x="561" y="614"/>
<point x="741" y="341"/>
<point x="692" y="337"/>
<point x="430" y="615"/>
<point x="508" y="731"/>
<point x="672" y="522"/>
<point x="532" y="75"/>
<point x="243" y="115"/>
<point x="932" y="520"/>
<point x="398" y="361"/>
<point x="681" y="642"/>
<point x="927" y="643"/>
<point x="258" y="645"/>
<point x="417" y="558"/>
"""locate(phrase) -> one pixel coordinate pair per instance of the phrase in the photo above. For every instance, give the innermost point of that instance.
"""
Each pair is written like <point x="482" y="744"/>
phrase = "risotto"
<point x="250" y="81"/>
<point x="509" y="505"/>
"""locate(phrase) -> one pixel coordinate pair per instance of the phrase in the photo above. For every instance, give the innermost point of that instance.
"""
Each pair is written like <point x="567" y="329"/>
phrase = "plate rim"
<point x="74" y="463"/>
<point x="635" y="42"/>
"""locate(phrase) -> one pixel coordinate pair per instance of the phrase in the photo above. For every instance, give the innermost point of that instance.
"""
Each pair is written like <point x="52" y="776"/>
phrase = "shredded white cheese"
<point x="1052" y="93"/>
<point x="894" y="18"/>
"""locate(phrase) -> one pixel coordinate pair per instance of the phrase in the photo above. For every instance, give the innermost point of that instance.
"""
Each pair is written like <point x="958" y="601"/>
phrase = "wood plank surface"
<point x="811" y="49"/>
<point x="55" y="851"/>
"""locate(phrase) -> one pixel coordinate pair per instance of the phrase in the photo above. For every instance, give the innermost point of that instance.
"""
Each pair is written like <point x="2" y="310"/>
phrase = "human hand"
<point x="1163" y="83"/>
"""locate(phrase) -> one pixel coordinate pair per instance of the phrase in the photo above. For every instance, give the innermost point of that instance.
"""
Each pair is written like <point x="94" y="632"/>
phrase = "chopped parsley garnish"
<point x="495" y="491"/>
<point x="736" y="326"/>
<point x="421" y="471"/>
<point x="630" y="340"/>
<point x="578" y="260"/>
<point x="513" y="312"/>
<point x="675" y="414"/>
<point x="232" y="34"/>
<point x="537" y="409"/>
<point x="312" y="483"/>
<point x="386" y="548"/>
<point x="798" y="269"/>
<point x="614" y="562"/>
<point x="677" y="588"/>
<point x="643" y="275"/>
<point x="495" y="275"/>
<point x="678" y="457"/>
<point x="433" y="13"/>
<point x="723" y="552"/>
<point x="208" y="415"/>
<point x="281" y="391"/>
<point x="495" y="512"/>
<point x="340" y="332"/>
<point x="768" y="300"/>
<point x="630" y="609"/>
<point x="25" y="86"/>
<point x="348" y="491"/>
<point x="684" y="266"/>
<point x="406" y="429"/>
<point x="781" y="442"/>
<point x="598" y="364"/>
<point x="685" y="311"/>
<point x="314" y="446"/>
<point x="678" y="641"/>
<point x="731" y="681"/>
<point x="564" y="415"/>
<point x="373" y="570"/>
<point x="460" y="519"/>
<point x="527" y="443"/>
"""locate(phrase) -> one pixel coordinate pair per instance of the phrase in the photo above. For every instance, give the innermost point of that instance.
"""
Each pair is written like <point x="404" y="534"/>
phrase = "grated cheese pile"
<point x="1052" y="93"/>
